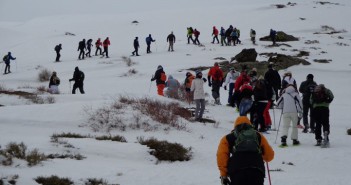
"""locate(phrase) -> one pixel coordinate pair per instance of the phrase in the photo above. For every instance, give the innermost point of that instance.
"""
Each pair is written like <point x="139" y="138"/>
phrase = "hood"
<point x="290" y="89"/>
<point x="170" y="77"/>
<point x="242" y="120"/>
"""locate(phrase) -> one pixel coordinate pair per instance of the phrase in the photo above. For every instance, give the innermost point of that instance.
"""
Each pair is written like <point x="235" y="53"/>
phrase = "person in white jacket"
<point x="291" y="105"/>
<point x="230" y="79"/>
<point x="197" y="86"/>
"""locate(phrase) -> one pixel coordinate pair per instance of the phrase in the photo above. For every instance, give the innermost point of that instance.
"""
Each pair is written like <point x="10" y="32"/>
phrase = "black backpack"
<point x="5" y="58"/>
<point x="246" y="139"/>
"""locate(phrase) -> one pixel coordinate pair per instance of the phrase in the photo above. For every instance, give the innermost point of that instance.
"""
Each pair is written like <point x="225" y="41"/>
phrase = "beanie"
<point x="310" y="76"/>
<point x="159" y="67"/>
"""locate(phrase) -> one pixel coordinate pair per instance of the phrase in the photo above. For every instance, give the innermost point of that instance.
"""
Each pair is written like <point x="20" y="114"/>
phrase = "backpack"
<point x="163" y="77"/>
<point x="5" y="58"/>
<point x="247" y="139"/>
<point x="56" y="48"/>
<point x="253" y="32"/>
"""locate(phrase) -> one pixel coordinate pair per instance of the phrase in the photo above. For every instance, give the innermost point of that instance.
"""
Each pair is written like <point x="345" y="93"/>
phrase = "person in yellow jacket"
<point x="241" y="164"/>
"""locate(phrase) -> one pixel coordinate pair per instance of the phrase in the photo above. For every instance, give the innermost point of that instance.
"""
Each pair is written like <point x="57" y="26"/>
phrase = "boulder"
<point x="281" y="37"/>
<point x="285" y="61"/>
<point x="246" y="55"/>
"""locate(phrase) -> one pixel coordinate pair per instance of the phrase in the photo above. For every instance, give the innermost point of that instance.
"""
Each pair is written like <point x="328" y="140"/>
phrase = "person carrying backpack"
<point x="7" y="58"/>
<point x="261" y="93"/>
<point x="78" y="78"/>
<point x="148" y="40"/>
<point x="54" y="83"/>
<point x="160" y="77"/>
<point x="307" y="88"/>
<point x="187" y="83"/>
<point x="81" y="49"/>
<point x="253" y="36"/>
<point x="215" y="79"/>
<point x="215" y="35"/>
<point x="273" y="36"/>
<point x="223" y="37"/>
<point x="89" y="47"/>
<point x="136" y="46"/>
<point x="106" y="44"/>
<point x="196" y="34"/>
<point x="98" y="45"/>
<point x="58" y="49"/>
<point x="241" y="155"/>
<point x="197" y="87"/>
<point x="230" y="79"/>
<point x="171" y="39"/>
<point x="273" y="78"/>
<point x="173" y="86"/>
<point x="189" y="34"/>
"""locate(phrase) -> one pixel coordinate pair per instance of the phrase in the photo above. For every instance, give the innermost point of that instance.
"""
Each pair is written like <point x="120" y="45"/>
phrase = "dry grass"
<point x="44" y="75"/>
<point x="128" y="61"/>
<point x="112" y="138"/>
<point x="34" y="157"/>
<point x="53" y="180"/>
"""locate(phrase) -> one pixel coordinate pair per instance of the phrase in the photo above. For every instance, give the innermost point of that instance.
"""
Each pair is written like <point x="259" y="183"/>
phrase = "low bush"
<point x="53" y="180"/>
<point x="112" y="138"/>
<point x="34" y="157"/>
<point x="94" y="181"/>
<point x="50" y="100"/>
<point x="106" y="118"/>
<point x="44" y="75"/>
<point x="128" y="61"/>
<point x="42" y="89"/>
<point x="69" y="135"/>
<point x="165" y="151"/>
<point x="65" y="156"/>
<point x="16" y="150"/>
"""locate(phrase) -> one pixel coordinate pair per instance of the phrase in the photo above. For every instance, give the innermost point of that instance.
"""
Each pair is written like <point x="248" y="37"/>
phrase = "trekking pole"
<point x="274" y="118"/>
<point x="276" y="137"/>
<point x="269" y="174"/>
<point x="150" y="84"/>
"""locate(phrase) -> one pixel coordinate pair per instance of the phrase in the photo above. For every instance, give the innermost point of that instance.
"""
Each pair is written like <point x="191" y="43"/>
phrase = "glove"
<point x="70" y="80"/>
<point x="152" y="79"/>
<point x="209" y="83"/>
<point x="225" y="180"/>
<point x="204" y="79"/>
<point x="225" y="87"/>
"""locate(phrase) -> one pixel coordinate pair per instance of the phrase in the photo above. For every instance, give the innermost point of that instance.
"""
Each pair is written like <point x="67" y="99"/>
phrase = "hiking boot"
<point x="296" y="142"/>
<point x="283" y="139"/>
<point x="319" y="142"/>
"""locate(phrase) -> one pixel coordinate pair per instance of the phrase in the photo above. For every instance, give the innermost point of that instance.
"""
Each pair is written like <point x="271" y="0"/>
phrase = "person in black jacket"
<point x="78" y="78"/>
<point x="7" y="60"/>
<point x="58" y="49"/>
<point x="81" y="48"/>
<point x="136" y="46"/>
<point x="273" y="78"/>
<point x="171" y="39"/>
<point x="89" y="47"/>
<point x="307" y="88"/>
<point x="160" y="77"/>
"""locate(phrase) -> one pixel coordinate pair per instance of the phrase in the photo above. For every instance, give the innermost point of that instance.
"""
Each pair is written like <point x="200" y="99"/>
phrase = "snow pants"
<point x="7" y="68"/>
<point x="266" y="115"/>
<point x="170" y="48"/>
<point x="200" y="108"/>
<point x="105" y="51"/>
<point x="290" y="118"/>
<point x="250" y="176"/>
<point x="231" y="93"/>
<point x="322" y="120"/>
<point x="57" y="56"/>
<point x="160" y="88"/>
<point x="308" y="107"/>
<point x="81" y="54"/>
<point x="257" y="115"/>
<point x="98" y="49"/>
<point x="216" y="84"/>
<point x="215" y="38"/>
<point x="79" y="86"/>
<point x="223" y="40"/>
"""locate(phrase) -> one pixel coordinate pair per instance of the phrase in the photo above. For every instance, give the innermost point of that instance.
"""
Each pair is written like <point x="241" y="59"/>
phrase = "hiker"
<point x="253" y="36"/>
<point x="7" y="58"/>
<point x="78" y="78"/>
<point x="190" y="32"/>
<point x="171" y="40"/>
<point x="173" y="86"/>
<point x="234" y="36"/>
<point x="197" y="87"/>
<point x="187" y="83"/>
<point x="253" y="77"/>
<point x="291" y="105"/>
<point x="98" y="45"/>
<point x="223" y="37"/>
<point x="89" y="47"/>
<point x="215" y="79"/>
<point x="215" y="35"/>
<point x="196" y="35"/>
<point x="58" y="49"/>
<point x="320" y="100"/>
<point x="245" y="97"/>
<point x="227" y="34"/>
<point x="230" y="79"/>
<point x="54" y="83"/>
<point x="241" y="155"/>
<point x="262" y="92"/>
<point x="136" y="46"/>
<point x="273" y="36"/>
<point x="81" y="48"/>
<point x="288" y="79"/>
<point x="273" y="78"/>
<point x="238" y="41"/>
<point x="241" y="80"/>
<point x="160" y="77"/>
<point x="148" y="40"/>
<point x="307" y="88"/>
<point x="105" y="44"/>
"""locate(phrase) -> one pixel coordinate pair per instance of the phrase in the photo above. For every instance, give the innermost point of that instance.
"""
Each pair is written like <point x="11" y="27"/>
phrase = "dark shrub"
<point x="53" y="180"/>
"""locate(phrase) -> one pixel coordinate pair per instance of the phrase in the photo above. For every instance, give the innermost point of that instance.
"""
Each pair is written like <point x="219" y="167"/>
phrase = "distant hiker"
<point x="190" y="32"/>
<point x="291" y="105"/>
<point x="321" y="98"/>
<point x="230" y="79"/>
<point x="227" y="34"/>
<point x="78" y="78"/>
<point x="7" y="58"/>
<point x="234" y="36"/>
<point x="58" y="49"/>
<point x="246" y="102"/>
<point x="273" y="36"/>
<point x="215" y="35"/>
<point x="273" y="78"/>
<point x="196" y="34"/>
<point x="89" y="47"/>
<point x="307" y="88"/>
<point x="106" y="44"/>
<point x="215" y="79"/>
<point x="241" y="80"/>
<point x="197" y="86"/>
<point x="136" y="46"/>
<point x="223" y="37"/>
<point x="148" y="40"/>
<point x="171" y="40"/>
<point x="238" y="41"/>
<point x="173" y="86"/>
<point x="98" y="45"/>
<point x="81" y="48"/>
<point x="241" y="155"/>
<point x="187" y="83"/>
<point x="253" y="36"/>
<point x="54" y="83"/>
<point x="160" y="77"/>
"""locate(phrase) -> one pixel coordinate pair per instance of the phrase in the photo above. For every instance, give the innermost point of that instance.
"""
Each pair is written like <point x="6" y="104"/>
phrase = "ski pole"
<point x="269" y="174"/>
<point x="276" y="137"/>
<point x="274" y="118"/>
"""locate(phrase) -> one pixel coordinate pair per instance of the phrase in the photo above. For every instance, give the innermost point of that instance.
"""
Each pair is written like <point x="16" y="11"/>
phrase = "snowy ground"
<point x="31" y="29"/>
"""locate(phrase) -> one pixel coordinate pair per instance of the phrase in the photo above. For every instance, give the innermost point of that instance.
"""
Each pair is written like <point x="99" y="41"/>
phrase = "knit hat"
<point x="241" y="119"/>
<point x="159" y="67"/>
<point x="198" y="72"/>
<point x="310" y="76"/>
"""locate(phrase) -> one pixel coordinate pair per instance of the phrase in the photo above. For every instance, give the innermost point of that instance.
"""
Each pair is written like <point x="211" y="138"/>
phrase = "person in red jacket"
<point x="196" y="34"/>
<point x="215" y="79"/>
<point x="215" y="35"/>
<point x="98" y="45"/>
<point x="105" y="44"/>
<point x="241" y="80"/>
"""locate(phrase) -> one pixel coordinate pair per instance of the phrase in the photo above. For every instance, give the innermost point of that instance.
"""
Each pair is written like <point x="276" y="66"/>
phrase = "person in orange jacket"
<point x="240" y="166"/>
<point x="160" y="77"/>
<point x="105" y="44"/>
<point x="215" y="79"/>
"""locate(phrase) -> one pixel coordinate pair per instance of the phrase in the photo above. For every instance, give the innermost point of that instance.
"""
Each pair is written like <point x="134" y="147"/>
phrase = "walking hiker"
<point x="273" y="78"/>
<point x="223" y="37"/>
<point x="196" y="34"/>
<point x="253" y="36"/>
<point x="197" y="87"/>
<point x="306" y="88"/>
<point x="273" y="36"/>
<point x="81" y="49"/>
<point x="171" y="40"/>
<point x="245" y="97"/>
<point x="241" y="155"/>
<point x="78" y="78"/>
<point x="160" y="77"/>
<point x="173" y="86"/>
<point x="98" y="45"/>
<point x="187" y="83"/>
<point x="291" y="105"/>
<point x="215" y="35"/>
<point x="190" y="32"/>
<point x="7" y="58"/>
<point x="320" y="100"/>
<point x="234" y="36"/>
<point x="136" y="46"/>
<point x="288" y="80"/>
<point x="230" y="79"/>
<point x="89" y="47"/>
<point x="54" y="83"/>
<point x="241" y="80"/>
<point x="106" y="44"/>
<point x="262" y="92"/>
<point x="238" y="41"/>
<point x="227" y="34"/>
<point x="215" y="79"/>
<point x="148" y="40"/>
<point x="58" y="49"/>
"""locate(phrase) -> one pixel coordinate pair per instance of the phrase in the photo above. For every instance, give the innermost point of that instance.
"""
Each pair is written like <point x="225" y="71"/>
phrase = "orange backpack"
<point x="163" y="77"/>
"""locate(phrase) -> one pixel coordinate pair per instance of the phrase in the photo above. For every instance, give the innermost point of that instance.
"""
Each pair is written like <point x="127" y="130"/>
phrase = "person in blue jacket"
<point x="148" y="40"/>
<point x="7" y="60"/>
